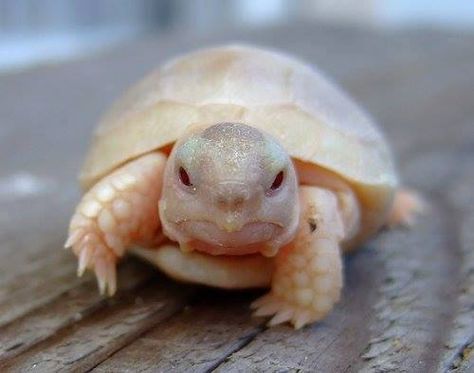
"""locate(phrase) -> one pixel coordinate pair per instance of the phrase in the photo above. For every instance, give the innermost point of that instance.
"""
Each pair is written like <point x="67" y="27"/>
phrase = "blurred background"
<point x="39" y="31"/>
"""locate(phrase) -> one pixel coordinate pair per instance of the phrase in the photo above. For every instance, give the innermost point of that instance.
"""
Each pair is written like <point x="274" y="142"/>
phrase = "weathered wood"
<point x="63" y="311"/>
<point x="197" y="340"/>
<point x="93" y="339"/>
<point x="459" y="200"/>
<point x="409" y="299"/>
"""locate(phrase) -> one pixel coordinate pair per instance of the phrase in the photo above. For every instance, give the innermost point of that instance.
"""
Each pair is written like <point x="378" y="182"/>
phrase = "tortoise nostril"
<point x="230" y="202"/>
<point x="221" y="201"/>
<point x="231" y="196"/>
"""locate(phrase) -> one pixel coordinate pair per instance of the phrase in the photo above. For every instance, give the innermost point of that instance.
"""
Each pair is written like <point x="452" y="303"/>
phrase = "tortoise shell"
<point x="321" y="128"/>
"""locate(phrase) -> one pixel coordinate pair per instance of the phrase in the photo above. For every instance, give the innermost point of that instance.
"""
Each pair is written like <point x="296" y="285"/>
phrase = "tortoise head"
<point x="229" y="189"/>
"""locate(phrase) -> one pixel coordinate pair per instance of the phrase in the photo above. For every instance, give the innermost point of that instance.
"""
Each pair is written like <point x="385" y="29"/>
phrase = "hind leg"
<point x="407" y="205"/>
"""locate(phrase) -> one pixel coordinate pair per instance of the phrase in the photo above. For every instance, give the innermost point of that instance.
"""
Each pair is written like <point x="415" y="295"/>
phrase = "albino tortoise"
<point x="237" y="167"/>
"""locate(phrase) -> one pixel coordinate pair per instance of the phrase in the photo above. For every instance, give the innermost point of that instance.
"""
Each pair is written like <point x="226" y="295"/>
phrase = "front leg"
<point x="308" y="275"/>
<point x="118" y="211"/>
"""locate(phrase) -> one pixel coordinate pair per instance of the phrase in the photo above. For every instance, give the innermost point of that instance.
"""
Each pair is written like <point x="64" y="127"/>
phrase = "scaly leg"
<point x="407" y="204"/>
<point x="118" y="211"/>
<point x="308" y="275"/>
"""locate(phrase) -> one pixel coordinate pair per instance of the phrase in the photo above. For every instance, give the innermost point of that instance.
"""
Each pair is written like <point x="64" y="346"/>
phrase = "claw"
<point x="78" y="220"/>
<point x="106" y="276"/>
<point x="101" y="285"/>
<point x="111" y="280"/>
<point x="84" y="259"/>
<point x="74" y="238"/>
<point x="283" y="311"/>
<point x="281" y="317"/>
<point x="260" y="301"/>
<point x="268" y="309"/>
<point x="88" y="239"/>
<point x="101" y="274"/>
<point x="301" y="319"/>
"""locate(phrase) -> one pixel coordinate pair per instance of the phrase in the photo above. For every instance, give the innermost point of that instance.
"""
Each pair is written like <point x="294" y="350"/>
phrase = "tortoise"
<point x="238" y="167"/>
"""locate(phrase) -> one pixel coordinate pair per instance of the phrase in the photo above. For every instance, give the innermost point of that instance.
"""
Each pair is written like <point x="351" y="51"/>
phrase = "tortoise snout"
<point x="231" y="195"/>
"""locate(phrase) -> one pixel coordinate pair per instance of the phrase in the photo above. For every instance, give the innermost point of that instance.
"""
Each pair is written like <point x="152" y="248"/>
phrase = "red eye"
<point x="278" y="181"/>
<point x="184" y="177"/>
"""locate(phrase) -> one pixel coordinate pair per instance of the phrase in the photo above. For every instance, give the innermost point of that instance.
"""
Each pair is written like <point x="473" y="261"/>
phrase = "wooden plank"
<point x="94" y="338"/>
<point x="64" y="310"/>
<point x="459" y="198"/>
<point x="196" y="340"/>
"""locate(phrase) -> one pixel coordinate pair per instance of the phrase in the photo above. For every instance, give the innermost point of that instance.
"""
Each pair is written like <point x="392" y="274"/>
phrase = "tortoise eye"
<point x="278" y="181"/>
<point x="184" y="177"/>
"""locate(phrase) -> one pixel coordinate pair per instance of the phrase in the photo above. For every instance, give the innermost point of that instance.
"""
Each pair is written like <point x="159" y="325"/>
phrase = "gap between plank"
<point x="244" y="342"/>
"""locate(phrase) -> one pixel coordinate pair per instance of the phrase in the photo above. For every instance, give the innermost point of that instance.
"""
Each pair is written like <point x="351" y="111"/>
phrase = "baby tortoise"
<point x="238" y="167"/>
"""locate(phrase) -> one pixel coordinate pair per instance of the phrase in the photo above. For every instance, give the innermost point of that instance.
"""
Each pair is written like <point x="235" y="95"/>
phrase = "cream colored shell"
<point x="316" y="122"/>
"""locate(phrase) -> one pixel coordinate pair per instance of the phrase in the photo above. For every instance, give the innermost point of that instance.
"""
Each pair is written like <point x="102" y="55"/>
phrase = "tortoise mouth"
<point x="210" y="249"/>
<point x="208" y="238"/>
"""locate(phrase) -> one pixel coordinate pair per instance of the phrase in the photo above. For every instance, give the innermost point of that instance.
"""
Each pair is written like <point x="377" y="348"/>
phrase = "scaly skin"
<point x="117" y="212"/>
<point x="308" y="278"/>
<point x="407" y="205"/>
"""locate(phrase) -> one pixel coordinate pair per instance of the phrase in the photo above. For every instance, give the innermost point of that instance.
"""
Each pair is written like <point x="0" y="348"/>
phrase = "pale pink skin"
<point x="228" y="207"/>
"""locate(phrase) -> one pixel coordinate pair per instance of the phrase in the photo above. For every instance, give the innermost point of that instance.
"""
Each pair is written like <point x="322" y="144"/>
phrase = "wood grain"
<point x="197" y="339"/>
<point x="408" y="303"/>
<point x="78" y="347"/>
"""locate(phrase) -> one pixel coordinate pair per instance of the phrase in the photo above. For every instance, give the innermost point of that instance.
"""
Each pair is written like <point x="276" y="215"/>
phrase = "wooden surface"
<point x="408" y="303"/>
